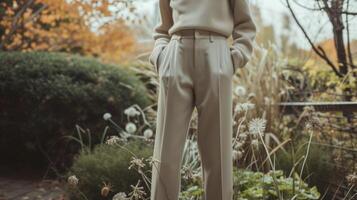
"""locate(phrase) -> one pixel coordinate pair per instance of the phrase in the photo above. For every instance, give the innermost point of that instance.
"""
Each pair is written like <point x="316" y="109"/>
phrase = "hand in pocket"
<point x="161" y="58"/>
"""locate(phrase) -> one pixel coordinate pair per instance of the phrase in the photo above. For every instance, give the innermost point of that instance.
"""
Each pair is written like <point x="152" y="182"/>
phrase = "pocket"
<point x="153" y="58"/>
<point x="164" y="58"/>
<point x="229" y="58"/>
<point x="160" y="58"/>
<point x="224" y="60"/>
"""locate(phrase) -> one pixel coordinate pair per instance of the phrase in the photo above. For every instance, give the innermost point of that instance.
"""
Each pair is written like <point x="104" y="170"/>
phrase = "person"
<point x="195" y="65"/>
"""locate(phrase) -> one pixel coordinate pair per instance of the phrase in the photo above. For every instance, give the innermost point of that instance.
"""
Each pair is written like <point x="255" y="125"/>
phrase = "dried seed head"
<point x="73" y="180"/>
<point x="105" y="189"/>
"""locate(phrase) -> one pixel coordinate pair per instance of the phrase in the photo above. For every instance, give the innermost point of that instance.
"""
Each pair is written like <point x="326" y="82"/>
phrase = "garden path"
<point x="17" y="189"/>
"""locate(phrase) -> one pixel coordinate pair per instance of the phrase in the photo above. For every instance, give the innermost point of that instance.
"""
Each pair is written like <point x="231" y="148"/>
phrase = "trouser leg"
<point x="175" y="106"/>
<point x="213" y="91"/>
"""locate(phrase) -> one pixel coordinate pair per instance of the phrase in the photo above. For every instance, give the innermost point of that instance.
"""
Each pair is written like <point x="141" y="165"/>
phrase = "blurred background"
<point x="78" y="102"/>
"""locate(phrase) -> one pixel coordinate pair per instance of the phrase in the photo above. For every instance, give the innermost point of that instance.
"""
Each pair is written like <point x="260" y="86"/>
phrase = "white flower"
<point x="238" y="108"/>
<point x="130" y="127"/>
<point x="308" y="125"/>
<point x="113" y="140"/>
<point x="237" y="154"/>
<point x="240" y="91"/>
<point x="239" y="145"/>
<point x="251" y="106"/>
<point x="352" y="179"/>
<point x="107" y="116"/>
<point x="120" y="196"/>
<point x="257" y="126"/>
<point x="73" y="180"/>
<point x="136" y="162"/>
<point x="255" y="143"/>
<point x="131" y="112"/>
<point x="242" y="136"/>
<point x="148" y="133"/>
<point x="243" y="107"/>
<point x="247" y="106"/>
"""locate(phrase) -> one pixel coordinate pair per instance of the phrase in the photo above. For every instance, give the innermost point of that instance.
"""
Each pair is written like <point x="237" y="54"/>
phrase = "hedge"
<point x="109" y="164"/>
<point x="44" y="95"/>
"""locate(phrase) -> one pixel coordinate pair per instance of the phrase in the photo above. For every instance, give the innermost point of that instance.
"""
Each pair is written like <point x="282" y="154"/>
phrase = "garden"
<point x="78" y="103"/>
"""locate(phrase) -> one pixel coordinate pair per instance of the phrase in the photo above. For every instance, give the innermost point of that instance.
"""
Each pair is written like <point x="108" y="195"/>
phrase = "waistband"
<point x="197" y="34"/>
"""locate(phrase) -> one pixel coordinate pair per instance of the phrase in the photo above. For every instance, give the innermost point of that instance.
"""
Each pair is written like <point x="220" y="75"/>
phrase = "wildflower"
<point x="243" y="127"/>
<point x="313" y="123"/>
<point x="243" y="107"/>
<point x="257" y="126"/>
<point x="237" y="154"/>
<point x="309" y="110"/>
<point x="148" y="133"/>
<point x="240" y="91"/>
<point x="119" y="196"/>
<point x="239" y="145"/>
<point x="107" y="116"/>
<point x="137" y="191"/>
<point x="136" y="162"/>
<point x="352" y="179"/>
<point x="72" y="180"/>
<point x="308" y="126"/>
<point x="248" y="106"/>
<point x="287" y="119"/>
<point x="130" y="127"/>
<point x="113" y="140"/>
<point x="151" y="160"/>
<point x="131" y="112"/>
<point x="105" y="189"/>
<point x="243" y="136"/>
<point x="238" y="108"/>
<point x="255" y="144"/>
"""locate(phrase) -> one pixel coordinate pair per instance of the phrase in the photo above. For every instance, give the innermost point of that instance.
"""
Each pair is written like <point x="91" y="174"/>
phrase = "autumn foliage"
<point x="74" y="26"/>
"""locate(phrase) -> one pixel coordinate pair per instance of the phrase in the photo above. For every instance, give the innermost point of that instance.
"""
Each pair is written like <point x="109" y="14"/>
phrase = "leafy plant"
<point x="319" y="169"/>
<point x="251" y="185"/>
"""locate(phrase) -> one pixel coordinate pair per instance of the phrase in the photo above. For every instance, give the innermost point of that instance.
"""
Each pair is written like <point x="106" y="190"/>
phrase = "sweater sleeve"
<point x="244" y="33"/>
<point x="160" y="32"/>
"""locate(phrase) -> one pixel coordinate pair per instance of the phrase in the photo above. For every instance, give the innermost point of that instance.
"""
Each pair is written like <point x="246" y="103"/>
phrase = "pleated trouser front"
<point x="194" y="72"/>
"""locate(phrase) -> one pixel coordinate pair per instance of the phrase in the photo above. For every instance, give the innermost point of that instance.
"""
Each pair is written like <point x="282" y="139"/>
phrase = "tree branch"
<point x="318" y="50"/>
<point x="348" y="38"/>
<point x="349" y="13"/>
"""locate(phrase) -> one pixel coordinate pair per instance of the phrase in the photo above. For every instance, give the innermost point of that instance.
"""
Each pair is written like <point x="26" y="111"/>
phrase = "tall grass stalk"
<point x="271" y="165"/>
<point x="306" y="155"/>
<point x="349" y="190"/>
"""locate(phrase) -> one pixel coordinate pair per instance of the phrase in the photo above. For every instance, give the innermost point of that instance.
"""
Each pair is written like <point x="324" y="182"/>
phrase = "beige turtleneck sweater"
<point x="228" y="17"/>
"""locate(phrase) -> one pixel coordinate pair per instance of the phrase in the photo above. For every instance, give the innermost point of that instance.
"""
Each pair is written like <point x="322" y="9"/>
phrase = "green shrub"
<point x="256" y="185"/>
<point x="44" y="95"/>
<point x="319" y="168"/>
<point x="250" y="185"/>
<point x="109" y="164"/>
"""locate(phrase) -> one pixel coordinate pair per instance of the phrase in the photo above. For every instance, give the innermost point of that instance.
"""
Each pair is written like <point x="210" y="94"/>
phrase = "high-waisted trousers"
<point x="194" y="71"/>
